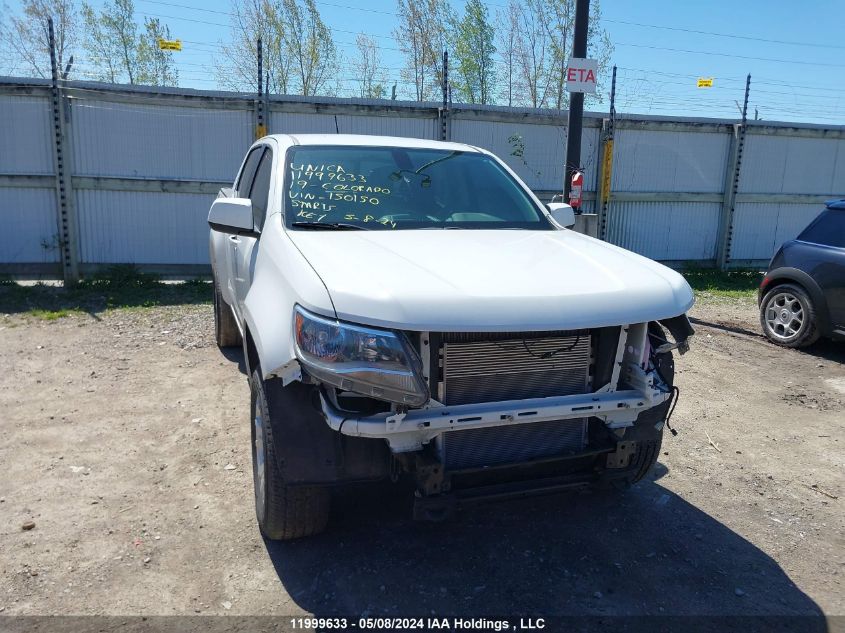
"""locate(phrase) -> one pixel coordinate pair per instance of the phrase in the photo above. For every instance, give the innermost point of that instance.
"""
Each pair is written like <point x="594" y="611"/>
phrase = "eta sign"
<point x="581" y="75"/>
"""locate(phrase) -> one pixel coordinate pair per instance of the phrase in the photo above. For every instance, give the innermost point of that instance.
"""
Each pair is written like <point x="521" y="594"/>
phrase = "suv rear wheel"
<point x="788" y="317"/>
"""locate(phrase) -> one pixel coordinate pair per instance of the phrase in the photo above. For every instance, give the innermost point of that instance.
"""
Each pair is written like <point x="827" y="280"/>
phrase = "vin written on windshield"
<point x="403" y="188"/>
<point x="336" y="186"/>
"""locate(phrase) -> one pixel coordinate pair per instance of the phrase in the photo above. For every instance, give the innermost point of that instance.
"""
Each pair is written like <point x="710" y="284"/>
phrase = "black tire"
<point x="648" y="438"/>
<point x="645" y="458"/>
<point x="283" y="512"/>
<point x="788" y="317"/>
<point x="226" y="331"/>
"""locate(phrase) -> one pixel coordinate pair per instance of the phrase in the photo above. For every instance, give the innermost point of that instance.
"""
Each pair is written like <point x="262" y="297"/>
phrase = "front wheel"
<point x="788" y="317"/>
<point x="284" y="512"/>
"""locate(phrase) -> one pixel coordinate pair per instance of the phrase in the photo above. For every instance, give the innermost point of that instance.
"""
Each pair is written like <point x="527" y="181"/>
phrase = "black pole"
<point x="444" y="113"/>
<point x="260" y="66"/>
<point x="260" y="129"/>
<point x="576" y="99"/>
<point x="67" y="68"/>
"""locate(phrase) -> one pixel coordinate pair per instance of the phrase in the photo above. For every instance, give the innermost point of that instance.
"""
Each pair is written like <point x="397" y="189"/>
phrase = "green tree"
<point x="237" y="64"/>
<point x="369" y="71"/>
<point x="156" y="66"/>
<point x="508" y="42"/>
<point x="560" y="24"/>
<point x="474" y="47"/>
<point x="25" y="40"/>
<point x="119" y="54"/>
<point x="103" y="53"/>
<point x="309" y="43"/>
<point x="538" y="38"/>
<point x="423" y="33"/>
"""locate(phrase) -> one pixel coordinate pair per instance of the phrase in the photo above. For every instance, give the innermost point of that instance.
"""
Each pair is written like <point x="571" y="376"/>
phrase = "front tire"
<point x="226" y="332"/>
<point x="788" y="317"/>
<point x="283" y="512"/>
<point x="645" y="433"/>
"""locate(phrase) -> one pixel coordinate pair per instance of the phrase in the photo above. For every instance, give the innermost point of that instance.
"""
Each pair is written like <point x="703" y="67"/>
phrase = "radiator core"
<point x="476" y="370"/>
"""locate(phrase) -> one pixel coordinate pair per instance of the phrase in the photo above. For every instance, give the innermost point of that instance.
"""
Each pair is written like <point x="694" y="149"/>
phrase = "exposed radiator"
<point x="512" y="443"/>
<point x="488" y="368"/>
<point x="514" y="369"/>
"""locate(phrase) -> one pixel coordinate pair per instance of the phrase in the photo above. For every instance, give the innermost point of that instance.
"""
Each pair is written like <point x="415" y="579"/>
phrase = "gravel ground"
<point x="124" y="439"/>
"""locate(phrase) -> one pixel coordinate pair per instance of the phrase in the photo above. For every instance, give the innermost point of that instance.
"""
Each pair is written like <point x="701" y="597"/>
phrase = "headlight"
<point x="377" y="363"/>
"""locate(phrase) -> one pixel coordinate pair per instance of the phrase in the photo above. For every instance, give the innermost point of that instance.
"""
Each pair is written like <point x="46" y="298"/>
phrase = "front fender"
<point x="282" y="279"/>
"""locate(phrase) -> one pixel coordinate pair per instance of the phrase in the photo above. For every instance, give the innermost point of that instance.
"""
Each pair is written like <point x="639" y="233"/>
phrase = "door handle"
<point x="235" y="239"/>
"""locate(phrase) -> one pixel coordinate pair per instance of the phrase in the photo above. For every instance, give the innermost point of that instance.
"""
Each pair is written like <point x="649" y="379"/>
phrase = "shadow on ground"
<point x="235" y="355"/>
<point x="580" y="554"/>
<point x="823" y="348"/>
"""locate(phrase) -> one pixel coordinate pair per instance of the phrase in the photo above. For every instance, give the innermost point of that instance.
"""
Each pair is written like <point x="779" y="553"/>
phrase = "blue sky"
<point x="794" y="51"/>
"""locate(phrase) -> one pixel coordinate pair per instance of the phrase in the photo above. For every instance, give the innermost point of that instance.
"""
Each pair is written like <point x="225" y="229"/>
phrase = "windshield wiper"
<point x="329" y="226"/>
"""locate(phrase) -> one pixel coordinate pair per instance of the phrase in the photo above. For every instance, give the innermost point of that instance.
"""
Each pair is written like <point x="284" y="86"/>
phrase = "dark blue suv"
<point x="802" y="296"/>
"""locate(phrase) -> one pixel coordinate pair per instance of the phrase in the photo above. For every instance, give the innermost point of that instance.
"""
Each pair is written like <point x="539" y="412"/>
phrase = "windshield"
<point x="343" y="187"/>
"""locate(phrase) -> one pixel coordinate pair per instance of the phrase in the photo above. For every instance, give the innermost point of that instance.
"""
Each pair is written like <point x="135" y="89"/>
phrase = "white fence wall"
<point x="780" y="164"/>
<point x="27" y="212"/>
<point x="147" y="164"/>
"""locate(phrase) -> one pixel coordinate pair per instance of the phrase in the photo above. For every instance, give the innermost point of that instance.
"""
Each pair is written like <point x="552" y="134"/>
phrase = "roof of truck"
<point x="365" y="140"/>
<point x="839" y="205"/>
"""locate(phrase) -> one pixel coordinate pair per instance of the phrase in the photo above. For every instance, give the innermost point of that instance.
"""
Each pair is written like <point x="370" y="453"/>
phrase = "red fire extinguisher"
<point x="576" y="188"/>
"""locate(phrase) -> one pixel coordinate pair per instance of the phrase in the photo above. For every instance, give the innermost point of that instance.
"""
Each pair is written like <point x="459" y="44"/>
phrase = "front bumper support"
<point x="409" y="431"/>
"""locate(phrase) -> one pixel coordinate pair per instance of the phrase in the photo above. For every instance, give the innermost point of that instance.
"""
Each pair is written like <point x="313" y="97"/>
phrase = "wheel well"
<point x="784" y="281"/>
<point x="250" y="351"/>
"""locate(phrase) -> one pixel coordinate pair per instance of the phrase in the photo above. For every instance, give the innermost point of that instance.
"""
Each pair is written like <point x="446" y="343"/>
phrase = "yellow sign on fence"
<point x="705" y="82"/>
<point x="170" y="45"/>
<point x="607" y="170"/>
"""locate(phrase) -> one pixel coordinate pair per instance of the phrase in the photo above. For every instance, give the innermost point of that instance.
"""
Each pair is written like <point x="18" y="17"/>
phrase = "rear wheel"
<point x="788" y="317"/>
<point x="284" y="512"/>
<point x="225" y="329"/>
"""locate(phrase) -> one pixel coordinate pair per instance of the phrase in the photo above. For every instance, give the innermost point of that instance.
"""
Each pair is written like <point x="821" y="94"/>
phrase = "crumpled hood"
<point x="489" y="280"/>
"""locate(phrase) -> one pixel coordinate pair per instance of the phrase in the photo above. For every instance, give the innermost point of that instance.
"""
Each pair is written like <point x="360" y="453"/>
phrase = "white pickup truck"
<point x="410" y="309"/>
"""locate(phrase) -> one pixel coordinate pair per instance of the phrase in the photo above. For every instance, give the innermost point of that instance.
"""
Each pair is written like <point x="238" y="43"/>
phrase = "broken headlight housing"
<point x="374" y="362"/>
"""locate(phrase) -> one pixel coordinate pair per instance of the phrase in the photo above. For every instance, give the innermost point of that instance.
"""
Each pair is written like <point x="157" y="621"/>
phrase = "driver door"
<point x="233" y="241"/>
<point x="245" y="247"/>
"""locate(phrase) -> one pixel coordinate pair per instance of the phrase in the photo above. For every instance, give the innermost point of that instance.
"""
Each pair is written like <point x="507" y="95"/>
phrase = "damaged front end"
<point x="503" y="414"/>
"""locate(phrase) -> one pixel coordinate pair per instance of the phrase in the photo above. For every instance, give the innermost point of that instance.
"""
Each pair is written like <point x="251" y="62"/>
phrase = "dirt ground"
<point x="124" y="437"/>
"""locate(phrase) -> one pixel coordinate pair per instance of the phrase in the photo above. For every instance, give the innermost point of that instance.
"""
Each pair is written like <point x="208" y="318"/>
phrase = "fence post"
<point x="600" y="180"/>
<point x="68" y="239"/>
<point x="725" y="235"/>
<point x="726" y="220"/>
<point x="444" y="109"/>
<point x="608" y="127"/>
<point x="260" y="127"/>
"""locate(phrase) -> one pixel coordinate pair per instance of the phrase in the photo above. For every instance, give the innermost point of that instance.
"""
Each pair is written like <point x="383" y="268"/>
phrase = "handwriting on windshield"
<point x="322" y="190"/>
<point x="311" y="216"/>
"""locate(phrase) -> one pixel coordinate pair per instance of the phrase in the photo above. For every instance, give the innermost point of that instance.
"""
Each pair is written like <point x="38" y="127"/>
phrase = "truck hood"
<point x="489" y="280"/>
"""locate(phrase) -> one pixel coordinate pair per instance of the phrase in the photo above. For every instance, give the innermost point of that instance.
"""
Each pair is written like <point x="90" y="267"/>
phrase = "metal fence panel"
<point x="305" y="123"/>
<point x="30" y="231"/>
<point x="760" y="228"/>
<point x="792" y="164"/>
<point x="541" y="164"/>
<point x="157" y="141"/>
<point x="668" y="231"/>
<point x="25" y="122"/>
<point x="651" y="160"/>
<point x="181" y="136"/>
<point x="142" y="228"/>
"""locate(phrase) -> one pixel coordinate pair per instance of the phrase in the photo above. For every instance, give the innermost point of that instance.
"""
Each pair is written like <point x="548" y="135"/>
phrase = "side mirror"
<point x="562" y="214"/>
<point x="231" y="215"/>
